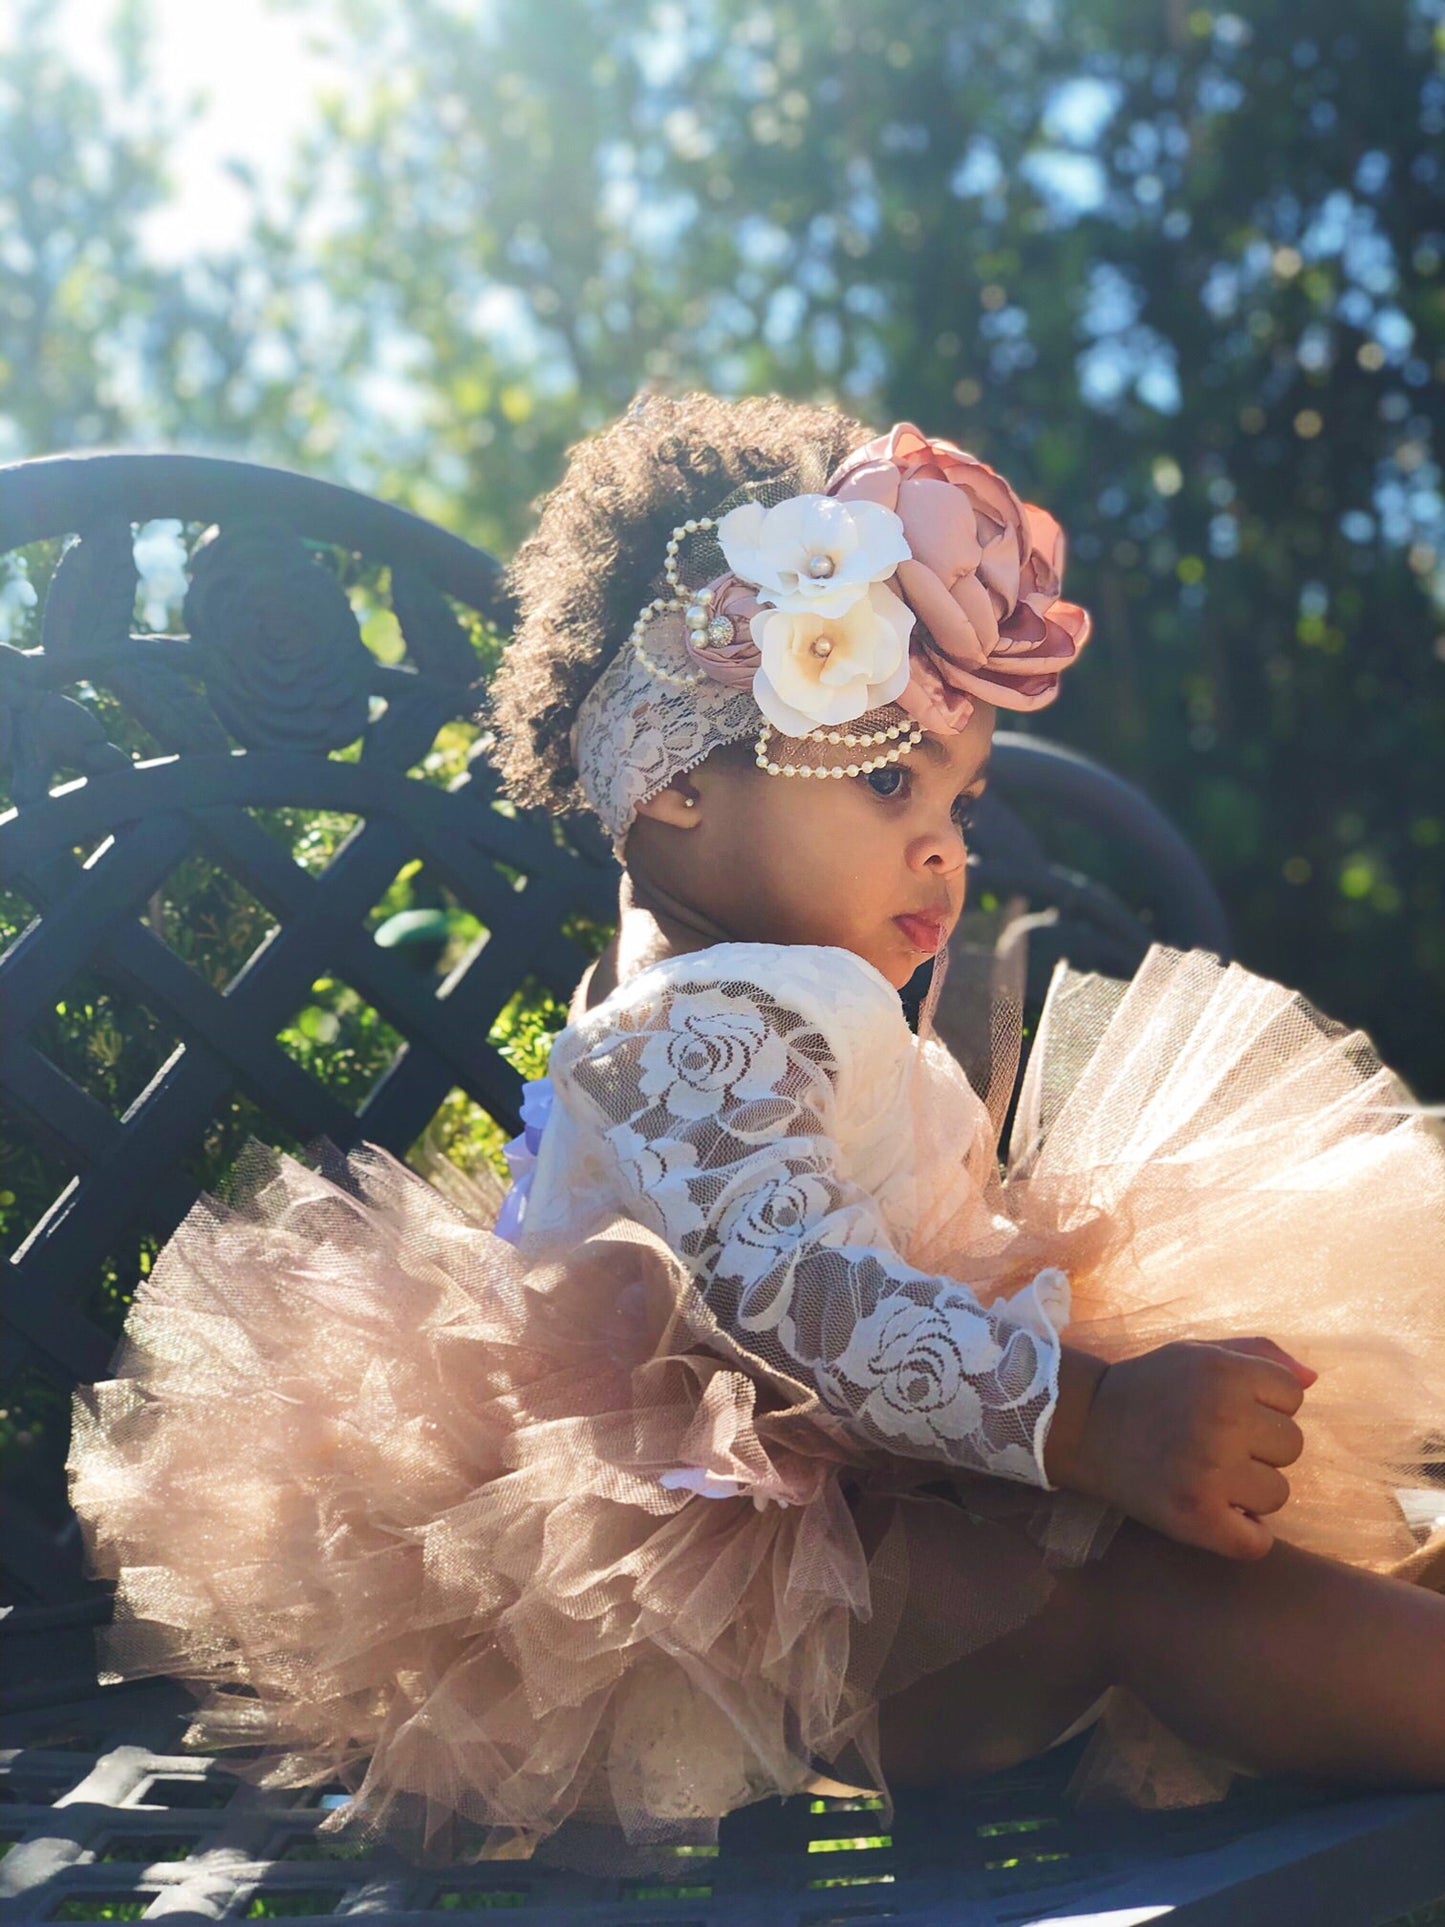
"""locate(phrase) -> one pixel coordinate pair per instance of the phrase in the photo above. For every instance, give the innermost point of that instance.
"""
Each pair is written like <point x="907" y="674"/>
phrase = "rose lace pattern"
<point x="719" y="1106"/>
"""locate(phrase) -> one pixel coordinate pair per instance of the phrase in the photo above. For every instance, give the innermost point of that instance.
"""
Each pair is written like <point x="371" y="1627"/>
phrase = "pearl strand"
<point x="864" y="742"/>
<point x="684" y="679"/>
<point x="681" y="598"/>
<point x="764" y="762"/>
<point x="674" y="541"/>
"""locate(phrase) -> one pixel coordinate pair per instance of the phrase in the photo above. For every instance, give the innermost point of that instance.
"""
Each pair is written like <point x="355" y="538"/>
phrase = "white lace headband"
<point x="835" y="628"/>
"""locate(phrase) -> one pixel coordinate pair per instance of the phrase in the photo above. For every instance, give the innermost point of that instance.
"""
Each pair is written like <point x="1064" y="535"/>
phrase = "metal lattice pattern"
<point x="273" y="661"/>
<point x="90" y="914"/>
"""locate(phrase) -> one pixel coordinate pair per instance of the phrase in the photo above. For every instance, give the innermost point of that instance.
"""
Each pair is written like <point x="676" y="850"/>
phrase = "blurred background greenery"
<point x="1175" y="270"/>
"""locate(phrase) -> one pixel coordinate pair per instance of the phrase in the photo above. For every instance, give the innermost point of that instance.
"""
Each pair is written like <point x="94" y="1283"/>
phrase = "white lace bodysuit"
<point x="767" y="1111"/>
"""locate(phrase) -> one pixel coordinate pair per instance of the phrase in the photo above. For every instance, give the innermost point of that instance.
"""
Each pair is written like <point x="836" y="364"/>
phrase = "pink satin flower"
<point x="734" y="663"/>
<point x="983" y="579"/>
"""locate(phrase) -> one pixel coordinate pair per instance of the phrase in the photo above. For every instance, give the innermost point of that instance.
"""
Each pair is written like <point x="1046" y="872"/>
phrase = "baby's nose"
<point x="943" y="855"/>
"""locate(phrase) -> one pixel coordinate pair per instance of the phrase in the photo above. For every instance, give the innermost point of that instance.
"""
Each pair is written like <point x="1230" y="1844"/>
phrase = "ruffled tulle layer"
<point x="1212" y="1157"/>
<point x="392" y="1501"/>
<point x="411" y="1513"/>
<point x="1248" y="1167"/>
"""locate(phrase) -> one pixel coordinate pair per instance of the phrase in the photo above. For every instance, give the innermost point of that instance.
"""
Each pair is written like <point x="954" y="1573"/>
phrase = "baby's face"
<point x="874" y="864"/>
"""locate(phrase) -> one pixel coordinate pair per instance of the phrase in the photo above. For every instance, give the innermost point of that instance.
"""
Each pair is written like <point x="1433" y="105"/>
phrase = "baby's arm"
<point x="719" y="1103"/>
<point x="719" y="1107"/>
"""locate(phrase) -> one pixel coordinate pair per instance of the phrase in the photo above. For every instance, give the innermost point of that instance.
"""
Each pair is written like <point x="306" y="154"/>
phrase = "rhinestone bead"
<point x="720" y="631"/>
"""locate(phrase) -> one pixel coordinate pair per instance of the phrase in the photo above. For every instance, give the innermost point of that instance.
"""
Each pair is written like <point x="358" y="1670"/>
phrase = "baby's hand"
<point x="1189" y="1439"/>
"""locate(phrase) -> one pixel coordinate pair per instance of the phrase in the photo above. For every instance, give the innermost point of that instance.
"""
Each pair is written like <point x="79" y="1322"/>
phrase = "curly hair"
<point x="596" y="556"/>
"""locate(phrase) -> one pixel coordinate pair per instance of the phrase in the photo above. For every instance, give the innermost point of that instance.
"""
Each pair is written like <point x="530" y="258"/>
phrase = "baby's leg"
<point x="1006" y="1702"/>
<point x="1291" y="1663"/>
<point x="1287" y="1664"/>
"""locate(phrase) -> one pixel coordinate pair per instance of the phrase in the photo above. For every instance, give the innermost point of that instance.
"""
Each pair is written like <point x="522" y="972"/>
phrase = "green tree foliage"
<point x="1175" y="270"/>
<point x="98" y="343"/>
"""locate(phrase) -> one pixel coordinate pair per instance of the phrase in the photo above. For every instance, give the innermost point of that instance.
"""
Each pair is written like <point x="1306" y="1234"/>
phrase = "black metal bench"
<point x="272" y="703"/>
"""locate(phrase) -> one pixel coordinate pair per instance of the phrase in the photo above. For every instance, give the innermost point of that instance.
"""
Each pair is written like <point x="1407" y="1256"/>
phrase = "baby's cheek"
<point x="812" y="860"/>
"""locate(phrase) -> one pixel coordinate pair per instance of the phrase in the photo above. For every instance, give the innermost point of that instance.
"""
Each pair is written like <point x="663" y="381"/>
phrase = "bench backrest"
<point x="271" y="701"/>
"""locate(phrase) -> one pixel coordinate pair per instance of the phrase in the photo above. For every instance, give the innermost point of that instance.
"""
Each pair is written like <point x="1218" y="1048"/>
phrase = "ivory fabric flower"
<point x="983" y="576"/>
<point x="810" y="553"/>
<point x="819" y="670"/>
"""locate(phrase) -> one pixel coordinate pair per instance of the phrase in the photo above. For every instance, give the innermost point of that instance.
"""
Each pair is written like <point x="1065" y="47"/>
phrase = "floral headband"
<point x="846" y="622"/>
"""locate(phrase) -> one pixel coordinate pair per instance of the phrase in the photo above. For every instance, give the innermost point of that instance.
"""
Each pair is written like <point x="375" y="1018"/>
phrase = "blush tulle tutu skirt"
<point x="536" y="1559"/>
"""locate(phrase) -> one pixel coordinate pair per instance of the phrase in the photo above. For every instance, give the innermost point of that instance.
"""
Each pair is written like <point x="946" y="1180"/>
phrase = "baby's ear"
<point x="679" y="804"/>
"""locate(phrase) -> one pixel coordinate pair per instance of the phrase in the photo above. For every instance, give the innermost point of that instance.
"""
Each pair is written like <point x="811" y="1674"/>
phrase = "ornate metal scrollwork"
<point x="283" y="659"/>
<point x="42" y="730"/>
<point x="273" y="660"/>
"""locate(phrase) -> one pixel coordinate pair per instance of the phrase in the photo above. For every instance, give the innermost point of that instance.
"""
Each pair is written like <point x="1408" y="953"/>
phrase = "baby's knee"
<point x="1006" y="1702"/>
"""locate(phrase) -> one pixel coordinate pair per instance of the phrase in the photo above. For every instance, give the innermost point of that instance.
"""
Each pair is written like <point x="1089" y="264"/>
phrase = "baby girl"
<point x="778" y="1436"/>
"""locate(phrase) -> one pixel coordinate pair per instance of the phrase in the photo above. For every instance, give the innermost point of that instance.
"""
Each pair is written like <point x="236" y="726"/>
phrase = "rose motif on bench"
<point x="285" y="664"/>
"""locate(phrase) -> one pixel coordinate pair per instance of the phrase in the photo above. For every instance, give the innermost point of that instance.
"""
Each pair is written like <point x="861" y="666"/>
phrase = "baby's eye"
<point x="887" y="781"/>
<point x="964" y="812"/>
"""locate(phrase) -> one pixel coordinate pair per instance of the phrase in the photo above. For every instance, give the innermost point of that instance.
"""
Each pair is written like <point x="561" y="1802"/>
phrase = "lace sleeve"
<point x="718" y="1101"/>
